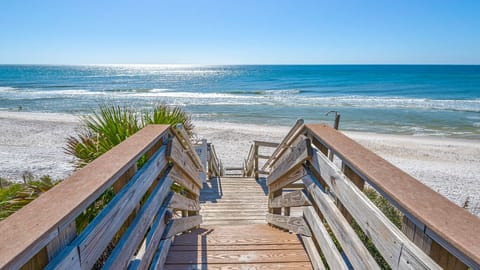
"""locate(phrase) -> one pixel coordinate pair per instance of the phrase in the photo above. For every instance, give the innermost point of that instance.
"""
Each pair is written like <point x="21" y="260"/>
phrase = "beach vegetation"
<point x="109" y="125"/>
<point x="15" y="195"/>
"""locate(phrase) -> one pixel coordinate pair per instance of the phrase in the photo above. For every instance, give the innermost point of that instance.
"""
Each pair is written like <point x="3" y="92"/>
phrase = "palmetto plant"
<point x="17" y="195"/>
<point x="112" y="124"/>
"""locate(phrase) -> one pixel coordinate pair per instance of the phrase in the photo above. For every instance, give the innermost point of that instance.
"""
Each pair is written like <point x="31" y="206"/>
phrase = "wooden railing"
<point x="435" y="234"/>
<point x="251" y="167"/>
<point x="134" y="230"/>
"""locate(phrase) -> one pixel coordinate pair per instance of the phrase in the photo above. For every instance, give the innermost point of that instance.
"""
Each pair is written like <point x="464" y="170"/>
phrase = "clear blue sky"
<point x="240" y="32"/>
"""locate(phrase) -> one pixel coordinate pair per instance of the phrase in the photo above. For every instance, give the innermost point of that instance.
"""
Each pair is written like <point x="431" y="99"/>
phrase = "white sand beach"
<point x="35" y="141"/>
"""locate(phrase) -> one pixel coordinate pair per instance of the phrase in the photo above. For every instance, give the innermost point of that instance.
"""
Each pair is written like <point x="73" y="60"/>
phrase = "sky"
<point x="240" y="32"/>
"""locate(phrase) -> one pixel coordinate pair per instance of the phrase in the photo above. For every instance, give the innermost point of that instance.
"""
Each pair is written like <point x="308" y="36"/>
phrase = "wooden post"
<point x="336" y="123"/>
<point x="256" y="161"/>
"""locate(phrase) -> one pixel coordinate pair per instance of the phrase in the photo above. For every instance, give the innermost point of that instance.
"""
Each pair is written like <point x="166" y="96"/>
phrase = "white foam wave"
<point x="287" y="97"/>
<point x="7" y="89"/>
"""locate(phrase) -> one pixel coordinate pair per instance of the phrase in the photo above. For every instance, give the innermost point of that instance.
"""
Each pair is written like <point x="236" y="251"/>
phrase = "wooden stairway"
<point x="234" y="233"/>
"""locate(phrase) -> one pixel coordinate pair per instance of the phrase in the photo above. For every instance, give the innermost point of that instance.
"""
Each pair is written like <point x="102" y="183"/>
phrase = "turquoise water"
<point x="406" y="99"/>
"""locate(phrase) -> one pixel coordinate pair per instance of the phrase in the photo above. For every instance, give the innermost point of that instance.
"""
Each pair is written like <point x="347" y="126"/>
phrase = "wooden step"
<point x="256" y="246"/>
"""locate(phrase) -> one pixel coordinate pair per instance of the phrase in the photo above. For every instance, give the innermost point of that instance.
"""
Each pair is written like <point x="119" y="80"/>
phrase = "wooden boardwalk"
<point x="234" y="233"/>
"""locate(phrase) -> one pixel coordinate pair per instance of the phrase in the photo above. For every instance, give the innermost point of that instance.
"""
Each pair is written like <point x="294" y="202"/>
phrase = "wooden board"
<point x="234" y="256"/>
<point x="332" y="255"/>
<point x="458" y="228"/>
<point x="353" y="247"/>
<point x="178" y="155"/>
<point x="183" y="224"/>
<point x="299" y="151"/>
<point x="293" y="224"/>
<point x="313" y="253"/>
<point x="181" y="203"/>
<point x="394" y="246"/>
<point x="22" y="238"/>
<point x="250" y="266"/>
<point x="181" y="178"/>
<point x="291" y="199"/>
<point x="287" y="179"/>
<point x="239" y="247"/>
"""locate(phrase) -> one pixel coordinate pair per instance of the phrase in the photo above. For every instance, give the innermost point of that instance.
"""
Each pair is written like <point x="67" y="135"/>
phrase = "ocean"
<point x="436" y="100"/>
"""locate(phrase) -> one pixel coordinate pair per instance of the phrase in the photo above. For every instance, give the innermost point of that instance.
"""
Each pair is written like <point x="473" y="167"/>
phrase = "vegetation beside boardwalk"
<point x="104" y="128"/>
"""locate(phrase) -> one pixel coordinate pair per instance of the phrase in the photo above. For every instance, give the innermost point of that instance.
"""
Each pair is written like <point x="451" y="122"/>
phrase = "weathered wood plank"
<point x="291" y="199"/>
<point x="183" y="224"/>
<point x="313" y="253"/>
<point x="181" y="203"/>
<point x="454" y="227"/>
<point x="329" y="250"/>
<point x="296" y="130"/>
<point x="353" y="247"/>
<point x="181" y="178"/>
<point x="388" y="239"/>
<point x="177" y="155"/>
<point x="233" y="256"/>
<point x="287" y="179"/>
<point x="196" y="246"/>
<point x="63" y="239"/>
<point x="266" y="144"/>
<point x="154" y="239"/>
<point x="161" y="255"/>
<point x="300" y="151"/>
<point x="184" y="139"/>
<point x="249" y="266"/>
<point x="22" y="239"/>
<point x="133" y="237"/>
<point x="95" y="238"/>
<point x="294" y="224"/>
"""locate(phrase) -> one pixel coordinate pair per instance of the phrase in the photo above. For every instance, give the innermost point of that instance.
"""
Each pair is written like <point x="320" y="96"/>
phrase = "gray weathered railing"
<point x="436" y="233"/>
<point x="134" y="230"/>
<point x="251" y="167"/>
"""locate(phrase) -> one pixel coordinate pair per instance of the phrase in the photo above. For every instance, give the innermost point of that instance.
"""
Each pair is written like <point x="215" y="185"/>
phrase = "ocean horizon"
<point x="434" y="100"/>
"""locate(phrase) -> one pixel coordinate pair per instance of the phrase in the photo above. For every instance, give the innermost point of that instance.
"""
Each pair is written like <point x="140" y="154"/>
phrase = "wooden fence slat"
<point x="63" y="239"/>
<point x="183" y="224"/>
<point x="291" y="199"/>
<point x="132" y="238"/>
<point x="294" y="224"/>
<point x="332" y="255"/>
<point x="184" y="139"/>
<point x="291" y="135"/>
<point x="95" y="238"/>
<point x="181" y="203"/>
<point x="312" y="252"/>
<point x="353" y="247"/>
<point x="387" y="238"/>
<point x="154" y="236"/>
<point x="181" y="178"/>
<point x="176" y="154"/>
<point x="266" y="144"/>
<point x="300" y="151"/>
<point x="161" y="256"/>
<point x="287" y="179"/>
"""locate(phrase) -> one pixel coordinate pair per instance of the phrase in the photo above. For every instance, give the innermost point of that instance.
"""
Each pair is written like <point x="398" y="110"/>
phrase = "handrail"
<point x="44" y="233"/>
<point x="449" y="225"/>
<point x="186" y="143"/>
<point x="443" y="234"/>
<point x="251" y="163"/>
